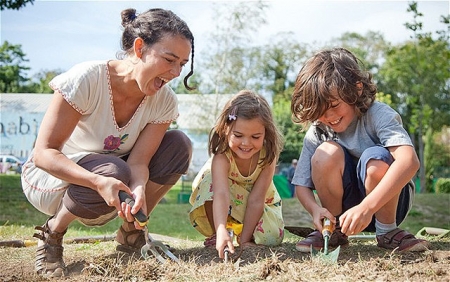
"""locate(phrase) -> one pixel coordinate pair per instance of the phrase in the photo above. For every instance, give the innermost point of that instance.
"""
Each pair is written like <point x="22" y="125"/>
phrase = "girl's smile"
<point x="246" y="137"/>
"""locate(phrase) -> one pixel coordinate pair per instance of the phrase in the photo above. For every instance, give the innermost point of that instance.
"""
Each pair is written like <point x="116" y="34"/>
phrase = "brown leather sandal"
<point x="49" y="254"/>
<point x="402" y="241"/>
<point x="131" y="247"/>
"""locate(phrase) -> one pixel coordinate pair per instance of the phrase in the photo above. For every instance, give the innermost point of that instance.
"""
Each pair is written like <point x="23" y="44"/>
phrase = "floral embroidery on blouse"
<point x="112" y="143"/>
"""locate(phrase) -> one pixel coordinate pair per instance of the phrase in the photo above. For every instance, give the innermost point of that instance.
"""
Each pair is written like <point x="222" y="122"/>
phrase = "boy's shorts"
<point x="354" y="177"/>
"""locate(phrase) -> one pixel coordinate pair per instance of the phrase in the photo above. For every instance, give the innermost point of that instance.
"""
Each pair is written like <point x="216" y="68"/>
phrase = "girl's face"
<point x="162" y="62"/>
<point x="246" y="137"/>
<point x="339" y="116"/>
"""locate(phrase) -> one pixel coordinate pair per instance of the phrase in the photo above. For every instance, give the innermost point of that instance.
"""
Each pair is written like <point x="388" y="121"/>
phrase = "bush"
<point x="443" y="185"/>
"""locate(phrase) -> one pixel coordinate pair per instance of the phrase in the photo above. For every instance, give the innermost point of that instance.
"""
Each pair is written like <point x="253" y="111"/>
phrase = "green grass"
<point x="18" y="217"/>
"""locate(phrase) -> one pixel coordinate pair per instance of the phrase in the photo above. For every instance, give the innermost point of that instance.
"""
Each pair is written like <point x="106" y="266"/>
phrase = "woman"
<point x="105" y="131"/>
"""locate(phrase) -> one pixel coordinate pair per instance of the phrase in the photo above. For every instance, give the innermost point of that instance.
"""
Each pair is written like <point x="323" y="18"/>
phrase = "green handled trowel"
<point x="326" y="256"/>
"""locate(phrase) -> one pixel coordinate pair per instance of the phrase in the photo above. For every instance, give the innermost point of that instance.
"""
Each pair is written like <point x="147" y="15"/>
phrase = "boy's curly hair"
<point x="331" y="70"/>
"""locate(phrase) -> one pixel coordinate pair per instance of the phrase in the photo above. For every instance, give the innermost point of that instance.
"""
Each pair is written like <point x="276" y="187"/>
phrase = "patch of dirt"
<point x="362" y="260"/>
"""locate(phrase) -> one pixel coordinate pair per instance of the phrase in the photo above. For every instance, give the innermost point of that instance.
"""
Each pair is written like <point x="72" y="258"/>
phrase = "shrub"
<point x="443" y="185"/>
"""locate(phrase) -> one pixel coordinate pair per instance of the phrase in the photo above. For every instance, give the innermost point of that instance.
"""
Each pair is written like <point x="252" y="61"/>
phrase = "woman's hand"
<point x="127" y="212"/>
<point x="108" y="189"/>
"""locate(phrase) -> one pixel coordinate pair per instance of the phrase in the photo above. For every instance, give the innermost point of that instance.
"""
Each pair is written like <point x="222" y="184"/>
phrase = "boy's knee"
<point x="376" y="169"/>
<point x="327" y="156"/>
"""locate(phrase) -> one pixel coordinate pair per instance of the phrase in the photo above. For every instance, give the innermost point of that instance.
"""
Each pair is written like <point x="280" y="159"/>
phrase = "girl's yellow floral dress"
<point x="270" y="228"/>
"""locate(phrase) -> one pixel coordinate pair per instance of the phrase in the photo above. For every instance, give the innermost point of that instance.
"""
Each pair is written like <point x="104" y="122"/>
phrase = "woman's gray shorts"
<point x="170" y="161"/>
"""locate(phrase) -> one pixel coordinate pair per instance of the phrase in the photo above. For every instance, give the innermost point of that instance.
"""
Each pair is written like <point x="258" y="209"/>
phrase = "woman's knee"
<point x="180" y="146"/>
<point x="107" y="165"/>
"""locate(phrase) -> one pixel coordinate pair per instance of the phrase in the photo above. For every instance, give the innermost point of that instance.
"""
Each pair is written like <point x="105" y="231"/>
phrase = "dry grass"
<point x="361" y="261"/>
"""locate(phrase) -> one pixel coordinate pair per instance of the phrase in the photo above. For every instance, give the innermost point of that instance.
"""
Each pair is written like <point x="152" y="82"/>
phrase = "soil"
<point x="362" y="260"/>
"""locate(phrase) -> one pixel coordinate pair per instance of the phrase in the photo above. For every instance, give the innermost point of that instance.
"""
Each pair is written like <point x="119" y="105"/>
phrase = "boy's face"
<point x="339" y="116"/>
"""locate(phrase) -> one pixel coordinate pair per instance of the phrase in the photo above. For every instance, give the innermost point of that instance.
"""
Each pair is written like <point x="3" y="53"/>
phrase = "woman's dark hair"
<point x="152" y="26"/>
<point x="328" y="71"/>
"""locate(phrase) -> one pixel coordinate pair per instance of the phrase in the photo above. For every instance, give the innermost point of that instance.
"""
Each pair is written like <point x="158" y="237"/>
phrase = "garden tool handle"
<point x="140" y="217"/>
<point x="328" y="227"/>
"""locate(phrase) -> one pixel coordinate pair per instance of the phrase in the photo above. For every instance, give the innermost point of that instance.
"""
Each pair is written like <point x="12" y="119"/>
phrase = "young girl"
<point x="356" y="155"/>
<point x="235" y="186"/>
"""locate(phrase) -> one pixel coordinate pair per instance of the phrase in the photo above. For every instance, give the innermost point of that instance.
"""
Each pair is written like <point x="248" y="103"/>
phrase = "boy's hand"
<point x="355" y="220"/>
<point x="319" y="214"/>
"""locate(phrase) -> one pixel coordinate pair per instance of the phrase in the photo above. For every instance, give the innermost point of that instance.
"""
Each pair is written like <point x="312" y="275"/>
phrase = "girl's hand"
<point x="223" y="240"/>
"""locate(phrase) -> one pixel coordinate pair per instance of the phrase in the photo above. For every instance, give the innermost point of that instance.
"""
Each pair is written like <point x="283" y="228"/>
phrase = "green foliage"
<point x="231" y="65"/>
<point x="13" y="4"/>
<point x="443" y="185"/>
<point x="292" y="132"/>
<point x="12" y="67"/>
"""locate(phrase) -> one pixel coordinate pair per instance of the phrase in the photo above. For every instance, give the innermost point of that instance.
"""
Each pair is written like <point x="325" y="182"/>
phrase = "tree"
<point x="231" y="62"/>
<point x="371" y="48"/>
<point x="11" y="67"/>
<point x="14" y="5"/>
<point x="418" y="73"/>
<point x="39" y="83"/>
<point x="280" y="63"/>
<point x="293" y="135"/>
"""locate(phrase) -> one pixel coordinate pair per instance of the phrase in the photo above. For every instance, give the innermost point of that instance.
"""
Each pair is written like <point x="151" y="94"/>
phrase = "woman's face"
<point x="162" y="62"/>
<point x="339" y="116"/>
<point x="246" y="137"/>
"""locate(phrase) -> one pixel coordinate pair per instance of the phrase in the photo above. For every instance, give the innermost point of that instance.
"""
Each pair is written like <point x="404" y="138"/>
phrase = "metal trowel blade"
<point x="330" y="258"/>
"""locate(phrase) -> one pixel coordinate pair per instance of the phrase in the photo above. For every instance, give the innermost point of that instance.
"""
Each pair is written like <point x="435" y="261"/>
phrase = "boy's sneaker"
<point x="403" y="241"/>
<point x="315" y="240"/>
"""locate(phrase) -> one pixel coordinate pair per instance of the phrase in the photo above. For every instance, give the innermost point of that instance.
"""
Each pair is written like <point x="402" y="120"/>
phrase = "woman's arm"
<point x="58" y="124"/>
<point x="140" y="156"/>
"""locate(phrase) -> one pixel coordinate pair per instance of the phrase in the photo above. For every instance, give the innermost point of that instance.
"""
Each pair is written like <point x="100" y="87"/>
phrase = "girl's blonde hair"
<point x="246" y="105"/>
<point x="331" y="70"/>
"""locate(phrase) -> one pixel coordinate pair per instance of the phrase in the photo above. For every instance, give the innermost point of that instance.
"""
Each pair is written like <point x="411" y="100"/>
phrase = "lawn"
<point x="18" y="217"/>
<point x="99" y="261"/>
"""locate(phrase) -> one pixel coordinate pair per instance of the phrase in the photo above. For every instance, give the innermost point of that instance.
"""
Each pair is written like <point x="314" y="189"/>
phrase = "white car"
<point x="10" y="163"/>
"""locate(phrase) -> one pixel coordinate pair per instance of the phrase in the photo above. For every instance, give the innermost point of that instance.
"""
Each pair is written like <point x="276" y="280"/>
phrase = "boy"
<point x="356" y="155"/>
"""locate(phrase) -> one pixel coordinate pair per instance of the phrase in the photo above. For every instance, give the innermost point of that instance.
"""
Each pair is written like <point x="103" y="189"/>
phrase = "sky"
<point x="55" y="35"/>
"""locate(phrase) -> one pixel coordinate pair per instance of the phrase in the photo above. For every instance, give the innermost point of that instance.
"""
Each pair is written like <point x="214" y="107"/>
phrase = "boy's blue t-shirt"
<point x="379" y="126"/>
